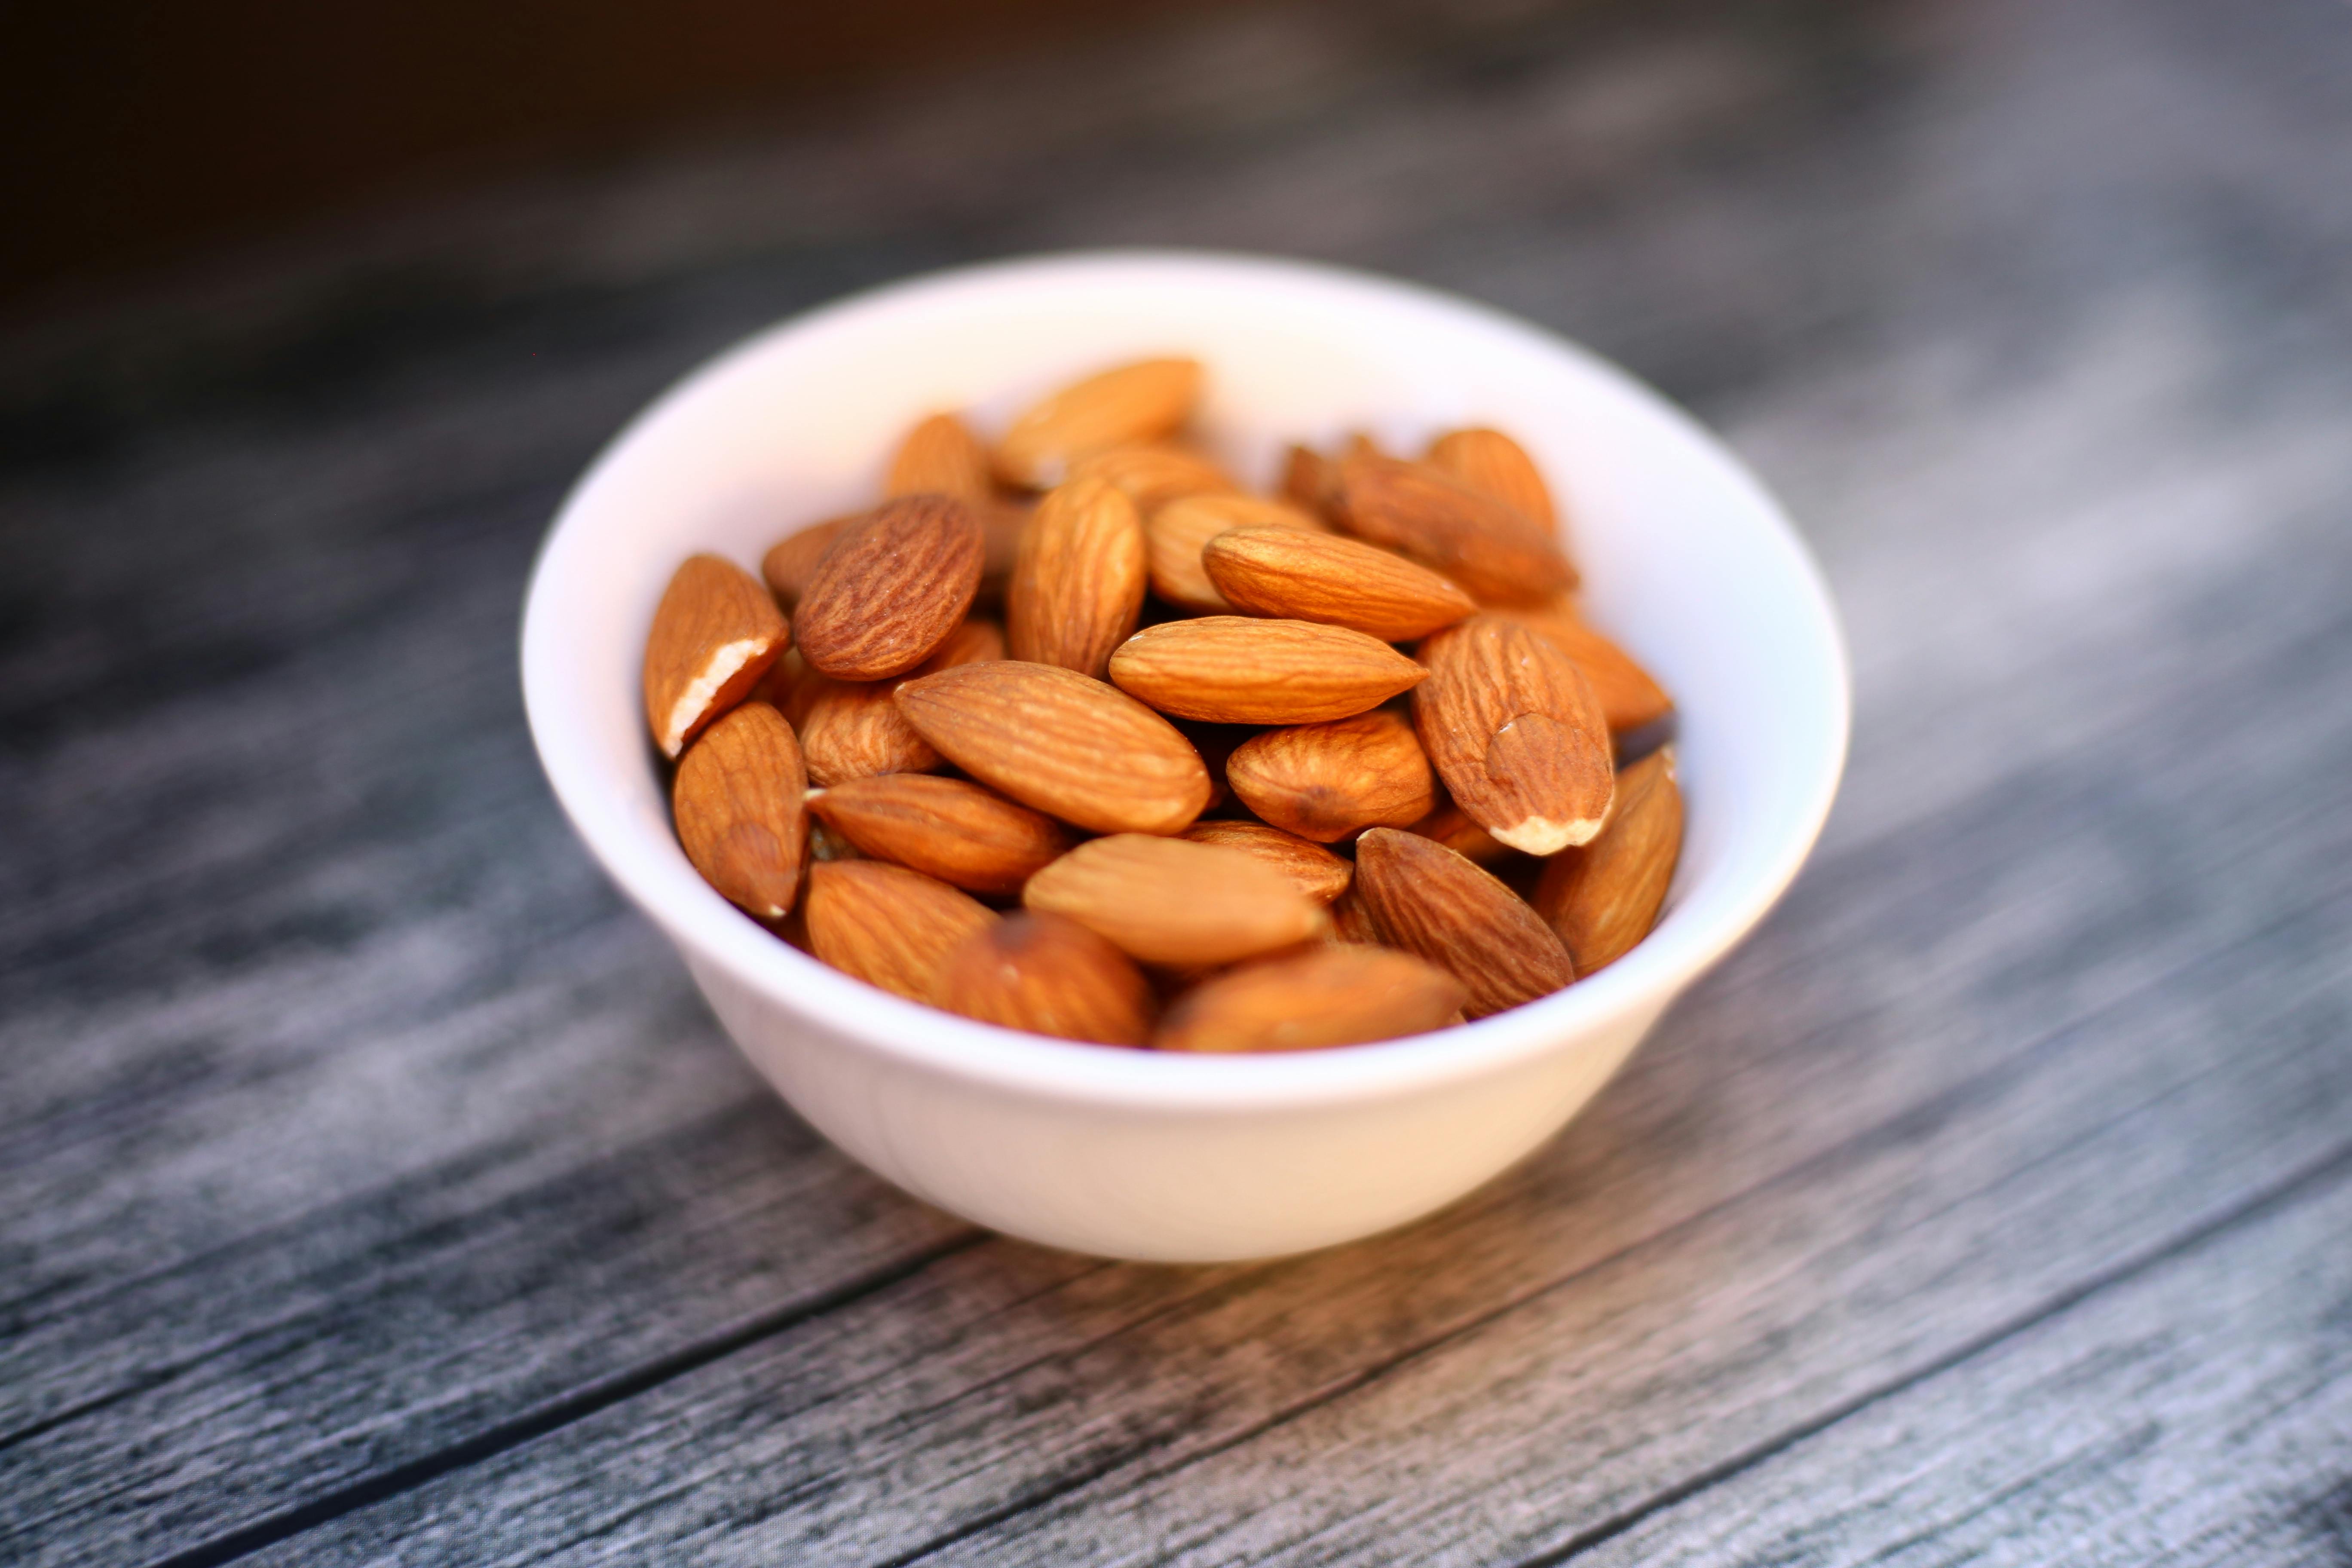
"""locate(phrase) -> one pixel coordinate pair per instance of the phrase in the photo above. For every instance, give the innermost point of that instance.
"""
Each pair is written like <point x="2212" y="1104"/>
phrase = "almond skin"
<point x="792" y="561"/>
<point x="1069" y="746"/>
<point x="1431" y="901"/>
<point x="1604" y="898"/>
<point x="1352" y="921"/>
<point x="890" y="590"/>
<point x="1175" y="534"/>
<point x="1175" y="902"/>
<point x="1491" y="549"/>
<point x="971" y="837"/>
<point x="715" y="633"/>
<point x="737" y="800"/>
<point x="941" y="457"/>
<point x="1077" y="584"/>
<point x="1340" y="581"/>
<point x="1452" y="826"/>
<point x="1629" y="697"/>
<point x="1310" y="481"/>
<point x="1050" y="976"/>
<point x="852" y="729"/>
<point x="1236" y="670"/>
<point x="1311" y="869"/>
<point x="1152" y="475"/>
<point x="1324" y="782"/>
<point x="887" y="925"/>
<point x="1339" y="996"/>
<point x="1141" y="401"/>
<point x="1515" y="732"/>
<point x="1493" y="464"/>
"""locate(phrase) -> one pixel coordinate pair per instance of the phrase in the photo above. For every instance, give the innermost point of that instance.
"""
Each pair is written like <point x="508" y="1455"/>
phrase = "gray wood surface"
<point x="378" y="1189"/>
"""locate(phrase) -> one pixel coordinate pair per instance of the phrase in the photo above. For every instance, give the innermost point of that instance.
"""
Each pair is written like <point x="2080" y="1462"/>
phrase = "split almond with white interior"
<point x="1489" y="547"/>
<point x="1077" y="584"/>
<point x="1326" y="781"/>
<point x="1172" y="901"/>
<point x="1604" y="898"/>
<point x="1156" y="473"/>
<point x="1431" y="901"/>
<point x="1145" y="400"/>
<point x="1050" y="976"/>
<point x="1515" y="731"/>
<point x="892" y="589"/>
<point x="887" y="925"/>
<point x="1070" y="746"/>
<point x="1175" y="534"/>
<point x="1491" y="463"/>
<point x="1338" y="995"/>
<point x="949" y="828"/>
<point x="1311" y="869"/>
<point x="1234" y="669"/>
<point x="1340" y="581"/>
<point x="940" y="455"/>
<point x="1630" y="697"/>
<point x="715" y="633"/>
<point x="737" y="801"/>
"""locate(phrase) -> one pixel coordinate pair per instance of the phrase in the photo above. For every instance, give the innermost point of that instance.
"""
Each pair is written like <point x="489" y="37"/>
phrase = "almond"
<point x="1515" y="732"/>
<point x="1325" y="781"/>
<point x="1172" y="901"/>
<point x="1233" y="669"/>
<point x="714" y="635"/>
<point x="941" y="457"/>
<point x="1604" y="898"/>
<point x="1429" y="901"/>
<point x="1327" y="997"/>
<point x="1352" y="922"/>
<point x="737" y="800"/>
<point x="792" y="561"/>
<point x="1070" y="746"/>
<point x="1629" y="697"/>
<point x="890" y="590"/>
<point x="851" y="729"/>
<point x="1050" y="976"/>
<point x="887" y="925"/>
<point x="1310" y="481"/>
<point x="948" y="828"/>
<point x="1489" y="547"/>
<point x="1311" y="869"/>
<point x="1340" y="581"/>
<point x="1452" y="826"/>
<point x="1493" y="464"/>
<point x="1175" y="532"/>
<point x="1077" y="584"/>
<point x="1153" y="475"/>
<point x="1141" y="401"/>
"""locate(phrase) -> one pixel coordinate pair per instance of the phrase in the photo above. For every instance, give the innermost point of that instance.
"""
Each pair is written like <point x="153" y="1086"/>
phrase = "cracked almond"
<point x="1311" y="869"/>
<point x="1431" y="901"/>
<point x="1176" y="532"/>
<point x="950" y="829"/>
<point x="1340" y="581"/>
<point x="1489" y="547"/>
<point x="1514" y="731"/>
<point x="1604" y="898"/>
<point x="1145" y="400"/>
<point x="1239" y="670"/>
<point x="887" y="925"/>
<point x="1336" y="995"/>
<point x="1050" y="976"/>
<point x="1077" y="584"/>
<point x="715" y="633"/>
<point x="1325" y="781"/>
<point x="892" y="589"/>
<point x="737" y="802"/>
<point x="1172" y="901"/>
<point x="1493" y="464"/>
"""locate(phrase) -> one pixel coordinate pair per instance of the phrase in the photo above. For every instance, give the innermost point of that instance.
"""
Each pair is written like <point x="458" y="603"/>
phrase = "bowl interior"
<point x="1686" y="560"/>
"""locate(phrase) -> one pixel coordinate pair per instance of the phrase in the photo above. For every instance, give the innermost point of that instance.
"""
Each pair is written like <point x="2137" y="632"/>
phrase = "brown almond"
<point x="1325" y="781"/>
<point x="737" y="800"/>
<point x="948" y="828"/>
<point x="1340" y="581"/>
<point x="1236" y="670"/>
<point x="1077" y="584"/>
<point x="887" y="925"/>
<point x="1172" y="901"/>
<point x="1493" y="464"/>
<point x="783" y="678"/>
<point x="1491" y="549"/>
<point x="1070" y="746"/>
<point x="1050" y="976"/>
<point x="1604" y="898"/>
<point x="1311" y="869"/>
<point x="1515" y="731"/>
<point x="941" y="457"/>
<point x="1155" y="474"/>
<point x="1310" y="481"/>
<point x="1142" y="401"/>
<point x="715" y="633"/>
<point x="793" y="560"/>
<point x="890" y="590"/>
<point x="1452" y="826"/>
<point x="1339" y="995"/>
<point x="1174" y="534"/>
<point x="1431" y="901"/>
<point x="1630" y="697"/>
<point x="1352" y="921"/>
<point x="851" y="729"/>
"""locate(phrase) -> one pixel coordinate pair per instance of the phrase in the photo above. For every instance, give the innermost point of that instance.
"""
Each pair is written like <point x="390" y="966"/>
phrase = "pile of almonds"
<point x="1438" y="792"/>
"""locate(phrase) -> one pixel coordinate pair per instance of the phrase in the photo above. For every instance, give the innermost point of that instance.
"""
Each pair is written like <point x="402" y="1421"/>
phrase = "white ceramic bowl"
<point x="1132" y="1154"/>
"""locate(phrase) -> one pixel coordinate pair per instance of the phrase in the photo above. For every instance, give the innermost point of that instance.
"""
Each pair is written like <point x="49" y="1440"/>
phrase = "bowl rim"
<point x="709" y="931"/>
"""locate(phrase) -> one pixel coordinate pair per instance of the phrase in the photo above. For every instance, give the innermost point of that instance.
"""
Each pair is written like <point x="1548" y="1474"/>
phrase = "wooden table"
<point x="378" y="1189"/>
